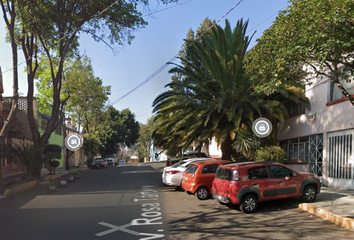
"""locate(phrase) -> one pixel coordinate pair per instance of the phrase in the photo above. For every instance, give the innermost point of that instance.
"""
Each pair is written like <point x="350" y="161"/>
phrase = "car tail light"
<point x="172" y="172"/>
<point x="235" y="175"/>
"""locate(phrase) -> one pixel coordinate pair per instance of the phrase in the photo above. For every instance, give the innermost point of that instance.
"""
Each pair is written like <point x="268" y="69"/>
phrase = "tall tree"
<point x="85" y="93"/>
<point x="10" y="17"/>
<point x="218" y="98"/>
<point x="52" y="27"/>
<point x="119" y="127"/>
<point x="308" y="39"/>
<point x="145" y="138"/>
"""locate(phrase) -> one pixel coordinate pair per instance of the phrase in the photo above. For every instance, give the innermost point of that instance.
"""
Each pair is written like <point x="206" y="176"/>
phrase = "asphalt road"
<point x="130" y="202"/>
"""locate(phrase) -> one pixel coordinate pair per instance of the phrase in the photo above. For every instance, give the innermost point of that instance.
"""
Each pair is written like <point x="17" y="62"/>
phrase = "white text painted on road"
<point x="151" y="215"/>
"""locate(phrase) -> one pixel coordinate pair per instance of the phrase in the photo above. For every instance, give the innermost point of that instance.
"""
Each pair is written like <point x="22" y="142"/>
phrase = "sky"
<point x="152" y="47"/>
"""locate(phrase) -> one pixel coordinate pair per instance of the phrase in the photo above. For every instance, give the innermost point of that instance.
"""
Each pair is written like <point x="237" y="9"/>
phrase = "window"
<point x="191" y="168"/>
<point x="210" y="168"/>
<point x="281" y="172"/>
<point x="294" y="108"/>
<point x="224" y="173"/>
<point x="297" y="150"/>
<point x="336" y="94"/>
<point x="257" y="173"/>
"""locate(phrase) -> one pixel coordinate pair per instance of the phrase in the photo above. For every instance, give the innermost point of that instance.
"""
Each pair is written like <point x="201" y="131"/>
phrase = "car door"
<point x="259" y="181"/>
<point x="285" y="181"/>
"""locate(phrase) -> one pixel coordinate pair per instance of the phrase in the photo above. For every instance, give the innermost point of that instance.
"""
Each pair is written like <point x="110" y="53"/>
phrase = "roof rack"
<point x="253" y="163"/>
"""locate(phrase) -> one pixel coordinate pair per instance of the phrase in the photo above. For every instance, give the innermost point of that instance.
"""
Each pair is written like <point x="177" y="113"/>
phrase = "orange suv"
<point x="245" y="184"/>
<point x="199" y="176"/>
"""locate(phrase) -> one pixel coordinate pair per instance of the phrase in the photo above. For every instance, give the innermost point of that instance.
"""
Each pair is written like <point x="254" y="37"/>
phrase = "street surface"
<point x="130" y="202"/>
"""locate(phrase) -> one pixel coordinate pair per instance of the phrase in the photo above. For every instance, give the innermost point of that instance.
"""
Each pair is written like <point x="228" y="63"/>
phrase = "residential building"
<point x="20" y="132"/>
<point x="321" y="140"/>
<point x="57" y="137"/>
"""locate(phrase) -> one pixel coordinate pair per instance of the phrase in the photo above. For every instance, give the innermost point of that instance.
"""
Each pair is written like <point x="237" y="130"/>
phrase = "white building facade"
<point x="321" y="140"/>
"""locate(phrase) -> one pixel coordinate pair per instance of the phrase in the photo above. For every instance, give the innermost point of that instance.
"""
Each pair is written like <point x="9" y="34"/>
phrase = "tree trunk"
<point x="226" y="149"/>
<point x="67" y="156"/>
<point x="206" y="147"/>
<point x="8" y="9"/>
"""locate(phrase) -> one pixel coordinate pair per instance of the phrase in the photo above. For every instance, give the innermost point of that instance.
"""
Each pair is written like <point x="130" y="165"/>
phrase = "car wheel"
<point x="203" y="193"/>
<point x="309" y="194"/>
<point x="249" y="203"/>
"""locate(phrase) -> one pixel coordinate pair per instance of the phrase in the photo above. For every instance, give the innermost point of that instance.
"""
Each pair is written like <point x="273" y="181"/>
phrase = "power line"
<point x="171" y="60"/>
<point x="162" y="10"/>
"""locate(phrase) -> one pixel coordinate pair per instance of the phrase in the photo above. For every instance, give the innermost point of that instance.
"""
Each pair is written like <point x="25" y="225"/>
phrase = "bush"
<point x="54" y="164"/>
<point x="271" y="153"/>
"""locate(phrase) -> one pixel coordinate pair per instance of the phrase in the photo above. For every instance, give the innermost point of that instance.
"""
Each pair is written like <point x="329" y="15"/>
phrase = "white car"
<point x="173" y="175"/>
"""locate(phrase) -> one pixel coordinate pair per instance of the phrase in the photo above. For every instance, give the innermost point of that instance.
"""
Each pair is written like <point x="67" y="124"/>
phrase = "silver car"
<point x="173" y="175"/>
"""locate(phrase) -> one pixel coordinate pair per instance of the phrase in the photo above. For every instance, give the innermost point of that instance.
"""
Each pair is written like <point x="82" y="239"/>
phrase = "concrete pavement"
<point x="46" y="178"/>
<point x="335" y="205"/>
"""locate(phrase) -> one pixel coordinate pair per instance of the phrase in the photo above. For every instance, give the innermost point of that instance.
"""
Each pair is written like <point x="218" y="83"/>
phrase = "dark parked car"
<point x="111" y="159"/>
<point x="185" y="156"/>
<point x="99" y="163"/>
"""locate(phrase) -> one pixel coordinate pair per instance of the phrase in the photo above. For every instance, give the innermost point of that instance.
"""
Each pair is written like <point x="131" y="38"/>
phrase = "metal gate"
<point x="316" y="157"/>
<point x="341" y="159"/>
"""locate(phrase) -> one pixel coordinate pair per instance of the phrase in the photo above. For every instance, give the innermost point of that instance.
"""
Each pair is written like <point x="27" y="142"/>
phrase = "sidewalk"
<point x="46" y="178"/>
<point x="335" y="205"/>
<point x="45" y="171"/>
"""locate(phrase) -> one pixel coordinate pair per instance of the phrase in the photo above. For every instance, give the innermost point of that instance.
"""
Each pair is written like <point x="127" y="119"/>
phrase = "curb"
<point x="83" y="169"/>
<point x="347" y="223"/>
<point x="52" y="177"/>
<point x="19" y="189"/>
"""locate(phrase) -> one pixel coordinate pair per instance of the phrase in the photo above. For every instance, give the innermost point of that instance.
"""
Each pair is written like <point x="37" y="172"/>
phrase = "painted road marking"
<point x="151" y="215"/>
<point x="115" y="228"/>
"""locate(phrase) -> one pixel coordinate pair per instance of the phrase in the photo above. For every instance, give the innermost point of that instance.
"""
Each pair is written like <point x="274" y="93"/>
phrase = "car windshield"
<point x="224" y="174"/>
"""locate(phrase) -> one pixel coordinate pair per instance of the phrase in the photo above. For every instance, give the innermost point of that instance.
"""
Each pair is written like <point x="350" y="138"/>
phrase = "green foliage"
<point x="212" y="96"/>
<point x="52" y="151"/>
<point x="25" y="157"/>
<point x="52" y="28"/>
<point x="271" y="153"/>
<point x="118" y="127"/>
<point x="246" y="143"/>
<point x="315" y="34"/>
<point x="90" y="146"/>
<point x="85" y="92"/>
<point x="145" y="138"/>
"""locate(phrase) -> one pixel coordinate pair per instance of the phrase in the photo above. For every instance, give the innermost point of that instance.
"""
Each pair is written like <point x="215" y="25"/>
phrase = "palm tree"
<point x="214" y="96"/>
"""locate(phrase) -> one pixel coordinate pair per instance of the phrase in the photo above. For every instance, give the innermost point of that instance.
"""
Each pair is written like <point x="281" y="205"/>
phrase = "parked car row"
<point x="108" y="160"/>
<point x="99" y="163"/>
<point x="243" y="183"/>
